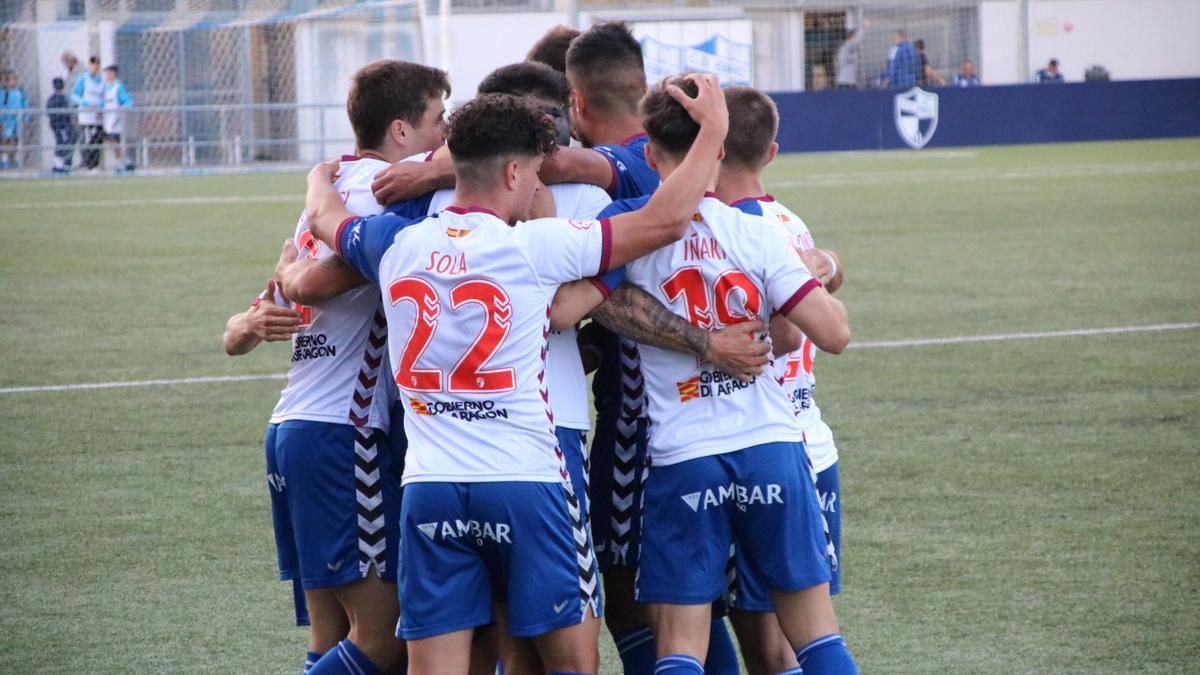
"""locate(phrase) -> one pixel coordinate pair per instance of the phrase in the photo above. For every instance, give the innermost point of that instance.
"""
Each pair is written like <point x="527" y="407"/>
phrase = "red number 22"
<point x="469" y="374"/>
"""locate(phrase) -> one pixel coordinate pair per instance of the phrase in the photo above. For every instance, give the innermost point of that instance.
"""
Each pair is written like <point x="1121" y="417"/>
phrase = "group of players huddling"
<point x="711" y="486"/>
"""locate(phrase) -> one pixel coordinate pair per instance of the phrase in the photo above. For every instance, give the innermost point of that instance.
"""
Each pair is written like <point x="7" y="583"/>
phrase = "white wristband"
<point x="832" y="265"/>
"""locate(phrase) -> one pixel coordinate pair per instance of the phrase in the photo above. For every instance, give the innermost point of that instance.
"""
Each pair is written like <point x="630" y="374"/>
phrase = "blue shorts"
<point x="617" y="460"/>
<point x="760" y="499"/>
<point x="335" y="502"/>
<point x="748" y="593"/>
<point x="465" y="546"/>
<point x="571" y="442"/>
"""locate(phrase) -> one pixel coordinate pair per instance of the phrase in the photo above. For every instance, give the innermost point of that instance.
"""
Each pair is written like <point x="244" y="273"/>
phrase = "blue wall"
<point x="865" y="120"/>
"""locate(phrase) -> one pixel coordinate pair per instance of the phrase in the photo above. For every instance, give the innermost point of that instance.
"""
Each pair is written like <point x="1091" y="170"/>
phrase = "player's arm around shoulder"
<point x="323" y="205"/>
<point x="410" y="179"/>
<point x="665" y="217"/>
<point x="578" y="165"/>
<point x="311" y="281"/>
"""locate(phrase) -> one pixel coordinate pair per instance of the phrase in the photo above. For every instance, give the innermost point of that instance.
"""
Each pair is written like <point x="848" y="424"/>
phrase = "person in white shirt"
<point x="334" y="494"/>
<point x="88" y="96"/>
<point x="743" y="481"/>
<point x="490" y="516"/>
<point x="116" y="98"/>
<point x="749" y="148"/>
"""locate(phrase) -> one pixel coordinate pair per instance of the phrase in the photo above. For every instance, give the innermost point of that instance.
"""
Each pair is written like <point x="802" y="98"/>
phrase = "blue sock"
<point x="311" y="659"/>
<point x="827" y="656"/>
<point x="722" y="657"/>
<point x="636" y="647"/>
<point x="678" y="664"/>
<point x="345" y="659"/>
<point x="791" y="671"/>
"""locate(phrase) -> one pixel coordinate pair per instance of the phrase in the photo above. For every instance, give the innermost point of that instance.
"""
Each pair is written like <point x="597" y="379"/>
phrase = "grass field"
<point x="1010" y="506"/>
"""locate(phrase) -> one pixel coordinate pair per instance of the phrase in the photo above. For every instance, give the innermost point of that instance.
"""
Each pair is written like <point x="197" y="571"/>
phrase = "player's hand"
<point x="400" y="181"/>
<point x="736" y="350"/>
<point x="824" y="266"/>
<point x="271" y="322"/>
<point x="287" y="256"/>
<point x="818" y="263"/>
<point x="708" y="108"/>
<point x="325" y="172"/>
<point x="543" y="203"/>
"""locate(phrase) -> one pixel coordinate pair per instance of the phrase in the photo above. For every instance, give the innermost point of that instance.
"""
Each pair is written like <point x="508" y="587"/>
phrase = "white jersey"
<point x="796" y="371"/>
<point x="724" y="271"/>
<point x="339" y="354"/>
<point x="468" y="299"/>
<point x="92" y="98"/>
<point x="564" y="370"/>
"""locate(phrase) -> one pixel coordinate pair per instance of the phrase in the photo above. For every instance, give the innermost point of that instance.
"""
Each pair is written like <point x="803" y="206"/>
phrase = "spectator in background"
<point x="1049" y="74"/>
<point x="966" y="75"/>
<point x="847" y="58"/>
<point x="63" y="127"/>
<point x="551" y="49"/>
<point x="115" y="98"/>
<point x="903" y="62"/>
<point x="13" y="102"/>
<point x="71" y="69"/>
<point x="88" y="96"/>
<point x="925" y="71"/>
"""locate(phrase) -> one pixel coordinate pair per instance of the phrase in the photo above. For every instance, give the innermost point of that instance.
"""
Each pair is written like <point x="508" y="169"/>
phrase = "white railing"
<point x="184" y="137"/>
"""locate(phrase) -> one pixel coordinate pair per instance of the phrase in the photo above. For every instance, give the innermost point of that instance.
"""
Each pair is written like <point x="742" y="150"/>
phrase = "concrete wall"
<point x="1133" y="39"/>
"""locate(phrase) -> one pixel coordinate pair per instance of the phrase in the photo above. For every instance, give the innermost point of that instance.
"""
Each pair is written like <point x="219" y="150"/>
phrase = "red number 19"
<point x="687" y="283"/>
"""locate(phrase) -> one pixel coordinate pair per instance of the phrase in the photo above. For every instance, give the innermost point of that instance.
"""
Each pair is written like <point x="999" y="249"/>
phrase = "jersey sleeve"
<point x="786" y="279"/>
<point x="562" y="250"/>
<point x="412" y="209"/>
<point x="363" y="241"/>
<point x="607" y="283"/>
<point x="629" y="171"/>
<point x="623" y="206"/>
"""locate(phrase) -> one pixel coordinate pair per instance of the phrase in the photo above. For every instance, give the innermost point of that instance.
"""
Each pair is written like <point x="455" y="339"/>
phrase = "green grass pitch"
<point x="1010" y="506"/>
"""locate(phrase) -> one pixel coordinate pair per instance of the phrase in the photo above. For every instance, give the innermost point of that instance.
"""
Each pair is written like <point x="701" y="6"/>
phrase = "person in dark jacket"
<point x="62" y="124"/>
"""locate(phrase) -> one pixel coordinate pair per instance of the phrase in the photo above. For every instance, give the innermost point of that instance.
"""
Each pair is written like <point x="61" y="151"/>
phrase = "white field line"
<point x="144" y="383"/>
<point x="889" y="344"/>
<point x="813" y="179"/>
<point x="1006" y="337"/>
<point x="965" y="174"/>
<point x="296" y="199"/>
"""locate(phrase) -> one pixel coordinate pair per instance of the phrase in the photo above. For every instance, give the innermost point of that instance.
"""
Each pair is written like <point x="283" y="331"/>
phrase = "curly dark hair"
<point x="605" y="62"/>
<point x="753" y="124"/>
<point x="551" y="49"/>
<point x="527" y="79"/>
<point x="387" y="90"/>
<point x="497" y="127"/>
<point x="669" y="127"/>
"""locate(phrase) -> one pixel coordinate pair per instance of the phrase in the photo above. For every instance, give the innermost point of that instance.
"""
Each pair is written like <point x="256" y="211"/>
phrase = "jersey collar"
<point x="471" y="209"/>
<point x="633" y="138"/>
<point x="760" y="198"/>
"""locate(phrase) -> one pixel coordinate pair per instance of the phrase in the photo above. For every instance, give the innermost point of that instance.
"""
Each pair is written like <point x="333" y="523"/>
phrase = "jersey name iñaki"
<point x="724" y="271"/>
<point x="796" y="370"/>
<point x="467" y="299"/>
<point x="564" y="369"/>
<point x="339" y="353"/>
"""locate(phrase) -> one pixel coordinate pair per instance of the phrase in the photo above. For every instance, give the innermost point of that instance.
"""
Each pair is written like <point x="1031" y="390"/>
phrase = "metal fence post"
<point x="321" y="124"/>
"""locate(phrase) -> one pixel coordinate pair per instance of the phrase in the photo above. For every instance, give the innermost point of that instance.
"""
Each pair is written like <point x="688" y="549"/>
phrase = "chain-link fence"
<point x="172" y="137"/>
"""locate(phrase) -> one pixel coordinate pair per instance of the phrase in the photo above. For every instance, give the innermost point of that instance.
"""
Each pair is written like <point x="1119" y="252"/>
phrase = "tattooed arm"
<point x="635" y="314"/>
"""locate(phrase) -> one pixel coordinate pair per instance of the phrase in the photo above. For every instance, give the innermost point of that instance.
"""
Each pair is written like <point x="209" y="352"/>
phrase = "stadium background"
<point x="1018" y="419"/>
